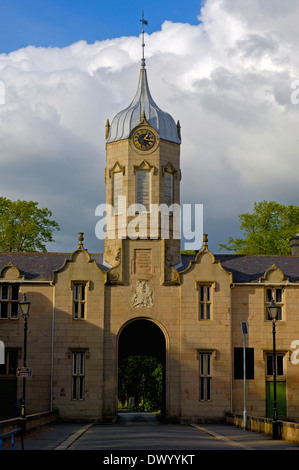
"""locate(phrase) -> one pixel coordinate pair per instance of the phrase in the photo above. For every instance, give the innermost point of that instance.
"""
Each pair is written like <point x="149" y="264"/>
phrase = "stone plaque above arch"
<point x="143" y="261"/>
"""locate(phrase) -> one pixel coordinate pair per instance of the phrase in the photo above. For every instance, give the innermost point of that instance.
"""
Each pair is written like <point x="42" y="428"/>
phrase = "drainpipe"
<point x="52" y="348"/>
<point x="231" y="351"/>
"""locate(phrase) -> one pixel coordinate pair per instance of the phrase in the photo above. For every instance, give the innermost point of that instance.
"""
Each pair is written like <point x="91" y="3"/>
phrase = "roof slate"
<point x="40" y="266"/>
<point x="249" y="268"/>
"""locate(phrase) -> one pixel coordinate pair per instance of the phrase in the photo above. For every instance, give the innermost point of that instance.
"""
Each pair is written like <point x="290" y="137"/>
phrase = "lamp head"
<point x="24" y="306"/>
<point x="273" y="310"/>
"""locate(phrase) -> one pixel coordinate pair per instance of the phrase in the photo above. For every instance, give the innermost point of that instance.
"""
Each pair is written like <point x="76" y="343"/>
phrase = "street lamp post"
<point x="24" y="307"/>
<point x="273" y="313"/>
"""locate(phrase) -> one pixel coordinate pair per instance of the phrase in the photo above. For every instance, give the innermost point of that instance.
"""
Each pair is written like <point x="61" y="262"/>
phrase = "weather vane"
<point x="144" y="22"/>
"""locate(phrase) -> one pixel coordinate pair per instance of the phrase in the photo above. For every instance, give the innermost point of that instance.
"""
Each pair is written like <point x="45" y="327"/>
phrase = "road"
<point x="142" y="432"/>
<point x="138" y="440"/>
<point x="147" y="436"/>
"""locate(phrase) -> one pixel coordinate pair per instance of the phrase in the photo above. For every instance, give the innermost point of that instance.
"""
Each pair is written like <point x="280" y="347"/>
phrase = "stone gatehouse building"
<point x="141" y="296"/>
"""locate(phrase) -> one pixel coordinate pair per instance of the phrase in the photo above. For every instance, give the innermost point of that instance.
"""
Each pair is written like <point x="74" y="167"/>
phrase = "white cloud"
<point x="228" y="81"/>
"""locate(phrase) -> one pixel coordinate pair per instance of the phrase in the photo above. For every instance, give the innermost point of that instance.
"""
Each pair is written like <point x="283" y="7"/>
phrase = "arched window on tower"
<point x="117" y="192"/>
<point x="168" y="189"/>
<point x="143" y="186"/>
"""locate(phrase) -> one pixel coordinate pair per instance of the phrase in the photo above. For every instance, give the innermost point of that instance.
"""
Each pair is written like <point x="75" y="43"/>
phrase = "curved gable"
<point x="77" y="261"/>
<point x="11" y="273"/>
<point x="273" y="275"/>
<point x="206" y="262"/>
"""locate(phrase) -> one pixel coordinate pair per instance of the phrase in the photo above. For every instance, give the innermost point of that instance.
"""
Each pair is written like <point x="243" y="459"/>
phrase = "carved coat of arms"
<point x="142" y="296"/>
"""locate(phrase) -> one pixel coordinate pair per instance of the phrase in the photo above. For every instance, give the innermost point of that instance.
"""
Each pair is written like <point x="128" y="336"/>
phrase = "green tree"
<point x="24" y="226"/>
<point x="267" y="230"/>
<point x="140" y="377"/>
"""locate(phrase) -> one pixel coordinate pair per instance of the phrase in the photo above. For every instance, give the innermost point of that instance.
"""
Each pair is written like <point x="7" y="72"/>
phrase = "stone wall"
<point x="33" y="421"/>
<point x="288" y="431"/>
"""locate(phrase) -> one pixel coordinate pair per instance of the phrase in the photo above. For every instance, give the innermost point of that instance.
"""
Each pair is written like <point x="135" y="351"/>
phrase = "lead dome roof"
<point x="125" y="121"/>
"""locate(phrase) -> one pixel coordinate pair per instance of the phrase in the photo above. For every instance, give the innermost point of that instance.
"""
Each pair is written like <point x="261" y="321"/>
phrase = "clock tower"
<point x="143" y="178"/>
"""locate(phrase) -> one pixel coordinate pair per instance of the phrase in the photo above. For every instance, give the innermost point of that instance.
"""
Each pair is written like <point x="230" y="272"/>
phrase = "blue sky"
<point x="62" y="22"/>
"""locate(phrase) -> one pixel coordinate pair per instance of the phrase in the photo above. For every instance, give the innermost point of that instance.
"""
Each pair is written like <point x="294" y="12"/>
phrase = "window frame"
<point x="79" y="304"/>
<point x="78" y="375"/>
<point x="205" y="376"/>
<point x="279" y="365"/>
<point x="205" y="301"/>
<point x="9" y="301"/>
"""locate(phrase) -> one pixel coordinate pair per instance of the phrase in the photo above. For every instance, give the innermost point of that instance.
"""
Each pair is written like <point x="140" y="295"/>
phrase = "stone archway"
<point x="144" y="337"/>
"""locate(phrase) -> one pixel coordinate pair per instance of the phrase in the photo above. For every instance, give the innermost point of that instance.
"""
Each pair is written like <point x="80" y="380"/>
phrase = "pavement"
<point x="61" y="436"/>
<point x="244" y="439"/>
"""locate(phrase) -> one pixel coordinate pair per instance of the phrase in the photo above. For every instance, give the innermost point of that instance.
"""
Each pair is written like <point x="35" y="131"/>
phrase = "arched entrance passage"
<point x="143" y="337"/>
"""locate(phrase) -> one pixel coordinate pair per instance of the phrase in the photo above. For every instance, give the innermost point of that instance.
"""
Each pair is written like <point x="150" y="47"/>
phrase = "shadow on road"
<point x="131" y="417"/>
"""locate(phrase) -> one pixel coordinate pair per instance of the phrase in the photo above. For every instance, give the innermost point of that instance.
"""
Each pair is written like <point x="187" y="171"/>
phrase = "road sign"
<point x="24" y="372"/>
<point x="244" y="327"/>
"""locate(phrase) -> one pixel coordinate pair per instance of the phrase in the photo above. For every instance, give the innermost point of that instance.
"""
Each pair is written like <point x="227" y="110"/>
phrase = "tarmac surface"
<point x="137" y="432"/>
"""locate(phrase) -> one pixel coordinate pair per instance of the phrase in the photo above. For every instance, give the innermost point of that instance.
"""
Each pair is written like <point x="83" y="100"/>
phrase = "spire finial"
<point x="205" y="240"/>
<point x="144" y="22"/>
<point x="80" y="240"/>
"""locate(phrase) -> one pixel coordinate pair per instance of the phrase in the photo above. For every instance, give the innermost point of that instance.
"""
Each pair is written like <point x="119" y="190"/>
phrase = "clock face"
<point x="144" y="139"/>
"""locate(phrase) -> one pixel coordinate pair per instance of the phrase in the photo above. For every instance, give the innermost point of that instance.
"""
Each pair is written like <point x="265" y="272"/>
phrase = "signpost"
<point x="245" y="332"/>
<point x="24" y="372"/>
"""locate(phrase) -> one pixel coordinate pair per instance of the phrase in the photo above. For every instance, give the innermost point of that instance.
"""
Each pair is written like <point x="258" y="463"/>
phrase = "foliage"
<point x="24" y="226"/>
<point x="140" y="377"/>
<point x="267" y="230"/>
